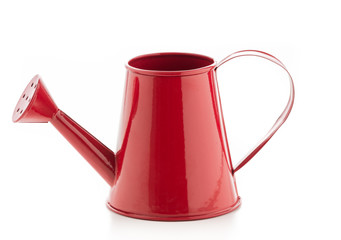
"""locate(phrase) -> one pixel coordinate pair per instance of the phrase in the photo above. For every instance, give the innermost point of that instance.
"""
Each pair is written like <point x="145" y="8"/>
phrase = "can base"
<point x="177" y="217"/>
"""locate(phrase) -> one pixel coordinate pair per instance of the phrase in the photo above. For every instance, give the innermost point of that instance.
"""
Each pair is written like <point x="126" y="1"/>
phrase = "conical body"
<point x="173" y="160"/>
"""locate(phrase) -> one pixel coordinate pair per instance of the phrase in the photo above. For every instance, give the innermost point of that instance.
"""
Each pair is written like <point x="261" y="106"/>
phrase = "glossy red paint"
<point x="35" y="103"/>
<point x="173" y="161"/>
<point x="97" y="154"/>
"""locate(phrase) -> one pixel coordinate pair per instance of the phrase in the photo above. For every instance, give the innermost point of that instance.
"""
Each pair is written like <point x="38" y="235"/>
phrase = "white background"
<point x="290" y="190"/>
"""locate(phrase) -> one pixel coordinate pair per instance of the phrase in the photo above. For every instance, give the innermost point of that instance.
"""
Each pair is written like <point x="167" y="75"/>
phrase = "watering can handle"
<point x="282" y="118"/>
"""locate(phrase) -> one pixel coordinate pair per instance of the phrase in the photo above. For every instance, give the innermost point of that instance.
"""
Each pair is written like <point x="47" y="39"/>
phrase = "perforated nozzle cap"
<point x="35" y="103"/>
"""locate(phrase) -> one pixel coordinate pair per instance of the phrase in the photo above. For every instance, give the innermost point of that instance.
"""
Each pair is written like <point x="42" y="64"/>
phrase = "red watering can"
<point x="172" y="161"/>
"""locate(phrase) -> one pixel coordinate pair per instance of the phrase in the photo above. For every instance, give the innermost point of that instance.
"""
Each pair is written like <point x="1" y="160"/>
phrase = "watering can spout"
<point x="36" y="105"/>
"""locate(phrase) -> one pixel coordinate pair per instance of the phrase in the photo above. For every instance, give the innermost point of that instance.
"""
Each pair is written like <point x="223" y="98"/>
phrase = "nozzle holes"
<point x="24" y="96"/>
<point x="35" y="86"/>
<point x="18" y="109"/>
<point x="21" y="112"/>
<point x="32" y="84"/>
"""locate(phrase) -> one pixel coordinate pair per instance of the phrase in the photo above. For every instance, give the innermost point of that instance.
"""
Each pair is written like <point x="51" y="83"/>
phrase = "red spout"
<point x="36" y="105"/>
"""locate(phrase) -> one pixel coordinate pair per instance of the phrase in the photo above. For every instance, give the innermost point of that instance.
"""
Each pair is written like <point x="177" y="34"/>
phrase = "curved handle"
<point x="281" y="119"/>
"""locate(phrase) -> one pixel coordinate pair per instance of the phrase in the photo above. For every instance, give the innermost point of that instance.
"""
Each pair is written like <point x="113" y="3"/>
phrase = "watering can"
<point x="172" y="160"/>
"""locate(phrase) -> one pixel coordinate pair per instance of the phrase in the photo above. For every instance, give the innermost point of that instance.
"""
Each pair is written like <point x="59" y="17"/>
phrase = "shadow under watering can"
<point x="173" y="161"/>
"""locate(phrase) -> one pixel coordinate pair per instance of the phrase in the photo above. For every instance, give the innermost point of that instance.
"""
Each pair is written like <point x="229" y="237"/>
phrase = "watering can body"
<point x="172" y="160"/>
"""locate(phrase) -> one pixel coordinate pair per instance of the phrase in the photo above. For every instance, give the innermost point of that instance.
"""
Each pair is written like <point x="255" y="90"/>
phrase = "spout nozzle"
<point x="37" y="106"/>
<point x="35" y="103"/>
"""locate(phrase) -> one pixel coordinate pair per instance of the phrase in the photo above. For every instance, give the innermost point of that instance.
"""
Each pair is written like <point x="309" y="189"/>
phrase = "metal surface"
<point x="173" y="160"/>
